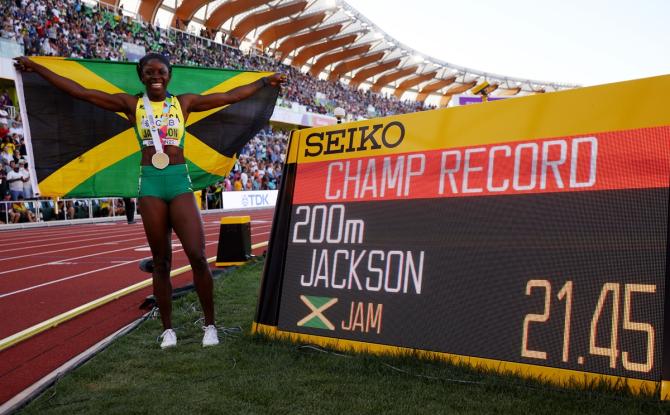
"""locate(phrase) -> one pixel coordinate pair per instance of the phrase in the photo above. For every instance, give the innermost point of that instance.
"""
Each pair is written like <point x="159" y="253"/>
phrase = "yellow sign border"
<point x="556" y="376"/>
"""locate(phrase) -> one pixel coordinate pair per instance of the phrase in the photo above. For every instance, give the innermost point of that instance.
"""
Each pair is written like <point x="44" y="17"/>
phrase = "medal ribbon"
<point x="158" y="142"/>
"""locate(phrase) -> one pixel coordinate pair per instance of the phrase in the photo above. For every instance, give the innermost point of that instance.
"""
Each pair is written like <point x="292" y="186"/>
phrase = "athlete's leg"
<point x="156" y="221"/>
<point x="187" y="223"/>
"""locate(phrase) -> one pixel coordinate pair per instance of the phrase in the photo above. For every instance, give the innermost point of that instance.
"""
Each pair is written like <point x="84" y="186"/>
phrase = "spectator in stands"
<point x="256" y="181"/>
<point x="119" y="209"/>
<point x="4" y="186"/>
<point x="4" y="129"/>
<point x="25" y="174"/>
<point x="22" y="212"/>
<point x="105" y="208"/>
<point x="17" y="156"/>
<point x="7" y="215"/>
<point x="244" y="177"/>
<point x="65" y="210"/>
<point x="7" y="145"/>
<point x="268" y="184"/>
<point x="214" y="197"/>
<point x="5" y="100"/>
<point x="7" y="151"/>
<point x="23" y="151"/>
<point x="15" y="181"/>
<point x="15" y="128"/>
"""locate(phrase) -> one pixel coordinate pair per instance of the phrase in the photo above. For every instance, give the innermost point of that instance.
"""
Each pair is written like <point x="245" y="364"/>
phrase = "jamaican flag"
<point x="80" y="150"/>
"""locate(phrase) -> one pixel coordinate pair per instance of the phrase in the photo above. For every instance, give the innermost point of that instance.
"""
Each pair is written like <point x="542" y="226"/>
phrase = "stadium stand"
<point x="76" y="30"/>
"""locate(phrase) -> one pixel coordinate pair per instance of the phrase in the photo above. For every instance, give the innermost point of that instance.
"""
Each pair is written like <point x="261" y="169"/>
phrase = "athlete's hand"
<point x="276" y="79"/>
<point x="23" y="64"/>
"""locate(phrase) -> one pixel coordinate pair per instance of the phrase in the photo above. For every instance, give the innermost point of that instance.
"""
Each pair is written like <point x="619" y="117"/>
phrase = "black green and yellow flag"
<point x="80" y="150"/>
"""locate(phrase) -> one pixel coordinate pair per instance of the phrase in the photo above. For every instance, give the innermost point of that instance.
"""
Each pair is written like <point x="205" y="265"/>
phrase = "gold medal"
<point x="160" y="160"/>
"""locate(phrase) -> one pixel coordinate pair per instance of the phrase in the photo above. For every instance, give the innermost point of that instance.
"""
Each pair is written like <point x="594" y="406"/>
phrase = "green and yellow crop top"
<point x="169" y="120"/>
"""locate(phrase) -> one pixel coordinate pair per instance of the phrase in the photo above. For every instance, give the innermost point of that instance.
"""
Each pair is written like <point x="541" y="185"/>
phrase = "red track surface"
<point x="47" y="271"/>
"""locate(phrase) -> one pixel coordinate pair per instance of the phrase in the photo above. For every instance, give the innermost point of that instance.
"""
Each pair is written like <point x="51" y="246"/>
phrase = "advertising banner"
<point x="301" y="118"/>
<point x="249" y="199"/>
<point x="469" y="100"/>
<point x="526" y="236"/>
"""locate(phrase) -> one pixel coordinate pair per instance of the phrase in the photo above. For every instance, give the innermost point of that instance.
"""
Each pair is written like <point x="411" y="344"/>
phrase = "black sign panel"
<point x="509" y="278"/>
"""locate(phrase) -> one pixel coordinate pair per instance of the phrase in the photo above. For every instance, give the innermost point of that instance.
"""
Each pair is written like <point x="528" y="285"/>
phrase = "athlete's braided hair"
<point x="150" y="56"/>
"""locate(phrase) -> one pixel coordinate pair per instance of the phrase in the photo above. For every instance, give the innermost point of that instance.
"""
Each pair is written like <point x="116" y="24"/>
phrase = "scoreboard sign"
<point x="526" y="235"/>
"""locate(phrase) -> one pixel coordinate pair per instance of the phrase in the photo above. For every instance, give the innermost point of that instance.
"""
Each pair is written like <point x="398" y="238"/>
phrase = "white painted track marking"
<point x="98" y="270"/>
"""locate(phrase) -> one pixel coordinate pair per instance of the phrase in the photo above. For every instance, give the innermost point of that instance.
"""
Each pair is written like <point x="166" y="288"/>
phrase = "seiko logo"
<point x="355" y="139"/>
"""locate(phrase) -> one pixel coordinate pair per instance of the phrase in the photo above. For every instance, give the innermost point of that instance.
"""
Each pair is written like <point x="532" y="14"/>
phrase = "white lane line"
<point x="83" y="227"/>
<point x="105" y="252"/>
<point x="63" y="279"/>
<point x="75" y="237"/>
<point x="176" y="240"/>
<point x="69" y="259"/>
<point x="42" y="233"/>
<point x="28" y="232"/>
<point x="62" y="250"/>
<point x="143" y="236"/>
<point x="146" y="248"/>
<point x="42" y="254"/>
<point x="82" y="274"/>
<point x="49" y="233"/>
<point x="49" y="240"/>
<point x="38" y="234"/>
<point x="96" y="270"/>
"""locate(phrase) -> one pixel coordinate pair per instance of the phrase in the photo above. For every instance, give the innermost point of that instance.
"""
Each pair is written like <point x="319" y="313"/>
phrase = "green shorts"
<point x="165" y="184"/>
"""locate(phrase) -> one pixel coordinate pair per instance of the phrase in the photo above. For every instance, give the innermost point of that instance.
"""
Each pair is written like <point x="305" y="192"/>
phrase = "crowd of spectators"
<point x="73" y="29"/>
<point x="15" y="185"/>
<point x="14" y="171"/>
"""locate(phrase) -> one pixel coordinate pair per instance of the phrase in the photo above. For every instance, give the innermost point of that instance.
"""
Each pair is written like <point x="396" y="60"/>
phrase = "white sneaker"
<point x="211" y="337"/>
<point x="169" y="339"/>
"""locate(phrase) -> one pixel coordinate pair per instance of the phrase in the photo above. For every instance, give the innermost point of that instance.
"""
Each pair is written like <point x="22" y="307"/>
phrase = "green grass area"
<point x="248" y="374"/>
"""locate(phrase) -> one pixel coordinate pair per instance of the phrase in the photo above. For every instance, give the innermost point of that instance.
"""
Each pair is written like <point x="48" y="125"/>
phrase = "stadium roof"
<point x="331" y="40"/>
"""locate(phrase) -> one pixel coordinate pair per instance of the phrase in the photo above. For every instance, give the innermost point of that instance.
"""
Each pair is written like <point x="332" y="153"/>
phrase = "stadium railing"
<point x="45" y="210"/>
<point x="92" y="209"/>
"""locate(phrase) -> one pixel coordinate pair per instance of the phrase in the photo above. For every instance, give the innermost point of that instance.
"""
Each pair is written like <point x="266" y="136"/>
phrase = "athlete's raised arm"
<point x="194" y="103"/>
<point x="114" y="102"/>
